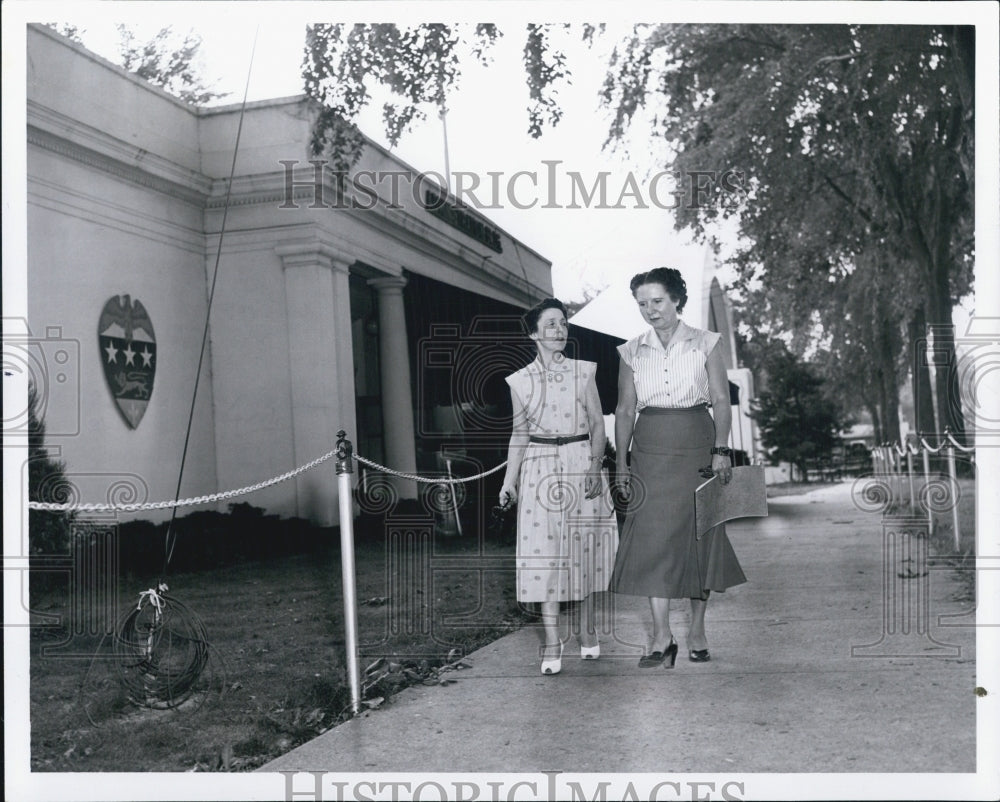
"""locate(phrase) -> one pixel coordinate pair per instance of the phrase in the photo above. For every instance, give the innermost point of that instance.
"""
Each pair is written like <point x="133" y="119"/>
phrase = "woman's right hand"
<point x="623" y="479"/>
<point x="508" y="495"/>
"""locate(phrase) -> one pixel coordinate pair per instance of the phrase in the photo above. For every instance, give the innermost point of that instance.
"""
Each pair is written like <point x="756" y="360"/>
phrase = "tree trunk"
<point x="929" y="234"/>
<point x="873" y="413"/>
<point x="920" y="375"/>
<point x="949" y="401"/>
<point x="891" y="408"/>
<point x="888" y="384"/>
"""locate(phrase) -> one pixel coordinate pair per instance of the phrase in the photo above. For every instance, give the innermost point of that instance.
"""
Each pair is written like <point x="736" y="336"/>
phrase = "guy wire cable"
<point x="171" y="536"/>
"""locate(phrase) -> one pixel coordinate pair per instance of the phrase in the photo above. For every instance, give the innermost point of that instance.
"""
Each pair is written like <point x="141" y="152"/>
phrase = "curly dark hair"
<point x="532" y="315"/>
<point x="669" y="278"/>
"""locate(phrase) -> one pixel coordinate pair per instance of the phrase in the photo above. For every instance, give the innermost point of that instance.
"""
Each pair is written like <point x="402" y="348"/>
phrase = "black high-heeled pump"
<point x="654" y="659"/>
<point x="671" y="654"/>
<point x="699" y="655"/>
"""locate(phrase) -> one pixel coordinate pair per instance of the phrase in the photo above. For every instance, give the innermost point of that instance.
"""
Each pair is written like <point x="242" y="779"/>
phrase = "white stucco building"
<point x="322" y="309"/>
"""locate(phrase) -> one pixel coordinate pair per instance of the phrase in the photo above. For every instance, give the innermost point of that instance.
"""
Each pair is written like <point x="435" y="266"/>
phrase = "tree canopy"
<point x="165" y="59"/>
<point x="168" y="62"/>
<point x="420" y="66"/>
<point x="856" y="144"/>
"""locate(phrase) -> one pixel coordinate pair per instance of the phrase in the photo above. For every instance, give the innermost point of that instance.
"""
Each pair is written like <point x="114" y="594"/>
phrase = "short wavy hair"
<point x="669" y="278"/>
<point x="532" y="315"/>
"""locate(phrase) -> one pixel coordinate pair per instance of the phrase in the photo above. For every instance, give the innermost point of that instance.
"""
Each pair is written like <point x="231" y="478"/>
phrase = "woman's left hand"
<point x="722" y="467"/>
<point x="592" y="483"/>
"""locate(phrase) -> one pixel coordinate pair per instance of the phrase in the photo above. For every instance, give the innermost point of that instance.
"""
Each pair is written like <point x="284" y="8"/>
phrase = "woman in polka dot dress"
<point x="567" y="534"/>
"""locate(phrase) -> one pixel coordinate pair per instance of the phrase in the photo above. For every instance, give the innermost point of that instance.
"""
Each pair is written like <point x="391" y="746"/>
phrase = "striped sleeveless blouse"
<point x="670" y="377"/>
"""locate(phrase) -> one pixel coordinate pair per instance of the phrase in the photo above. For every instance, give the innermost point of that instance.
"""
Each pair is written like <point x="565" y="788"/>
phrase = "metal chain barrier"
<point x="183" y="502"/>
<point x="958" y="445"/>
<point x="887" y="460"/>
<point x="425" y="479"/>
<point x="227" y="494"/>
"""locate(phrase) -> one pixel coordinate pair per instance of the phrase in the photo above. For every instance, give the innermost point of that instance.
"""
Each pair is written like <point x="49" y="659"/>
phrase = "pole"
<point x="927" y="478"/>
<point x="890" y="472"/>
<point x="954" y="486"/>
<point x="344" y="471"/>
<point x="909" y="473"/>
<point x="447" y="160"/>
<point x="897" y="470"/>
<point x="454" y="499"/>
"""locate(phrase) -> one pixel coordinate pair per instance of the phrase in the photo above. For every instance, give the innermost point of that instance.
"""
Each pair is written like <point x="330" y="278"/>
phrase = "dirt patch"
<point x="276" y="675"/>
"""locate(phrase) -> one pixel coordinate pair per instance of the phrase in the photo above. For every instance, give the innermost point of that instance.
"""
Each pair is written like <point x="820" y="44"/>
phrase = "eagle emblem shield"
<point x="128" y="353"/>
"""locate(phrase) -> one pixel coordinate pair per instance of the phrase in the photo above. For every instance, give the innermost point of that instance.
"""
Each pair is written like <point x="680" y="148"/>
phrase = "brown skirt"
<point x="658" y="554"/>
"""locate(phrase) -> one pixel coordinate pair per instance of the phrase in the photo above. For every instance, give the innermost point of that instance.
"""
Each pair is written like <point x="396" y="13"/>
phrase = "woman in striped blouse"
<point x="670" y="375"/>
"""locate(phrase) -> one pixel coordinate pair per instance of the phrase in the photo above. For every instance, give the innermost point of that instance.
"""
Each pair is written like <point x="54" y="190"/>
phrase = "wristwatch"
<point x="724" y="451"/>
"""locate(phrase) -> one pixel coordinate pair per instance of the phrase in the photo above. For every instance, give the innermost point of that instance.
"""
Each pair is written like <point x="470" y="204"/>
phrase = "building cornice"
<point x="429" y="237"/>
<point x="71" y="139"/>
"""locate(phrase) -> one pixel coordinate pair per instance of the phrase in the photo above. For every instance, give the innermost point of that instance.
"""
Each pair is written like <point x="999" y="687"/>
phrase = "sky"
<point x="486" y="131"/>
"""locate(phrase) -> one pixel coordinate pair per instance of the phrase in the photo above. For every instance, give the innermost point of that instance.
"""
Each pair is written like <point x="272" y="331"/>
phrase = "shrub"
<point x="48" y="531"/>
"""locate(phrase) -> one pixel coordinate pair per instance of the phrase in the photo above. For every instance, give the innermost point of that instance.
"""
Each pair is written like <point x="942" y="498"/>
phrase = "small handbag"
<point x="503" y="520"/>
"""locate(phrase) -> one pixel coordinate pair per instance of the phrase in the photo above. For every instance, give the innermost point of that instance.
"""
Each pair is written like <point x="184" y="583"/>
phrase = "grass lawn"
<point x="963" y="559"/>
<point x="276" y="674"/>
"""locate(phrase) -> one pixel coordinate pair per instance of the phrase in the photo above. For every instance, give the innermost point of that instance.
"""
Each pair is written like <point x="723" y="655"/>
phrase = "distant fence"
<point x="906" y="470"/>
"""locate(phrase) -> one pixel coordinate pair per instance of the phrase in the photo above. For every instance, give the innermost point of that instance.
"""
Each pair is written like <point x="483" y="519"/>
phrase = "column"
<point x="348" y="417"/>
<point x="394" y="369"/>
<point x="317" y="304"/>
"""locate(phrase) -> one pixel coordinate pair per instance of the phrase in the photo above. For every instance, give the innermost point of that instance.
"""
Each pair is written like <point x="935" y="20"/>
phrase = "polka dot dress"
<point x="566" y="542"/>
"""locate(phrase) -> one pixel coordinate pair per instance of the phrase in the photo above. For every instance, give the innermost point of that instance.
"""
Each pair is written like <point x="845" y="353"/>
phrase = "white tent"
<point x="614" y="310"/>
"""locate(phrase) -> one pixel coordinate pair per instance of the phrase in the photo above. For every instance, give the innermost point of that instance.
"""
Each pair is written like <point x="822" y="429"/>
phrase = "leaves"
<point x="417" y="65"/>
<point x="167" y="62"/>
<point x="388" y="676"/>
<point x="856" y="142"/>
<point x="420" y="67"/>
<point x="74" y="32"/>
<point x="545" y="68"/>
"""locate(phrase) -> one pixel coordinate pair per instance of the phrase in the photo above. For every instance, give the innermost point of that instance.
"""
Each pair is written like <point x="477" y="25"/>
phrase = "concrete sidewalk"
<point x="825" y="661"/>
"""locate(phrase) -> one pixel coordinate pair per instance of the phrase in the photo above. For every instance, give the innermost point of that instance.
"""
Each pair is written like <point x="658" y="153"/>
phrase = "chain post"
<point x="925" y="454"/>
<point x="953" y="473"/>
<point x="454" y="497"/>
<point x="345" y="452"/>
<point x="909" y="473"/>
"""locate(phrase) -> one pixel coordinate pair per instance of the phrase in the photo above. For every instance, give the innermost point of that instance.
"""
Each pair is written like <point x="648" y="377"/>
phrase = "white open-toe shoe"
<point x="553" y="665"/>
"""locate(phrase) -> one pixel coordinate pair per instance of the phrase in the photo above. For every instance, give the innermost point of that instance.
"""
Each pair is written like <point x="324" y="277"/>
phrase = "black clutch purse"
<point x="503" y="520"/>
